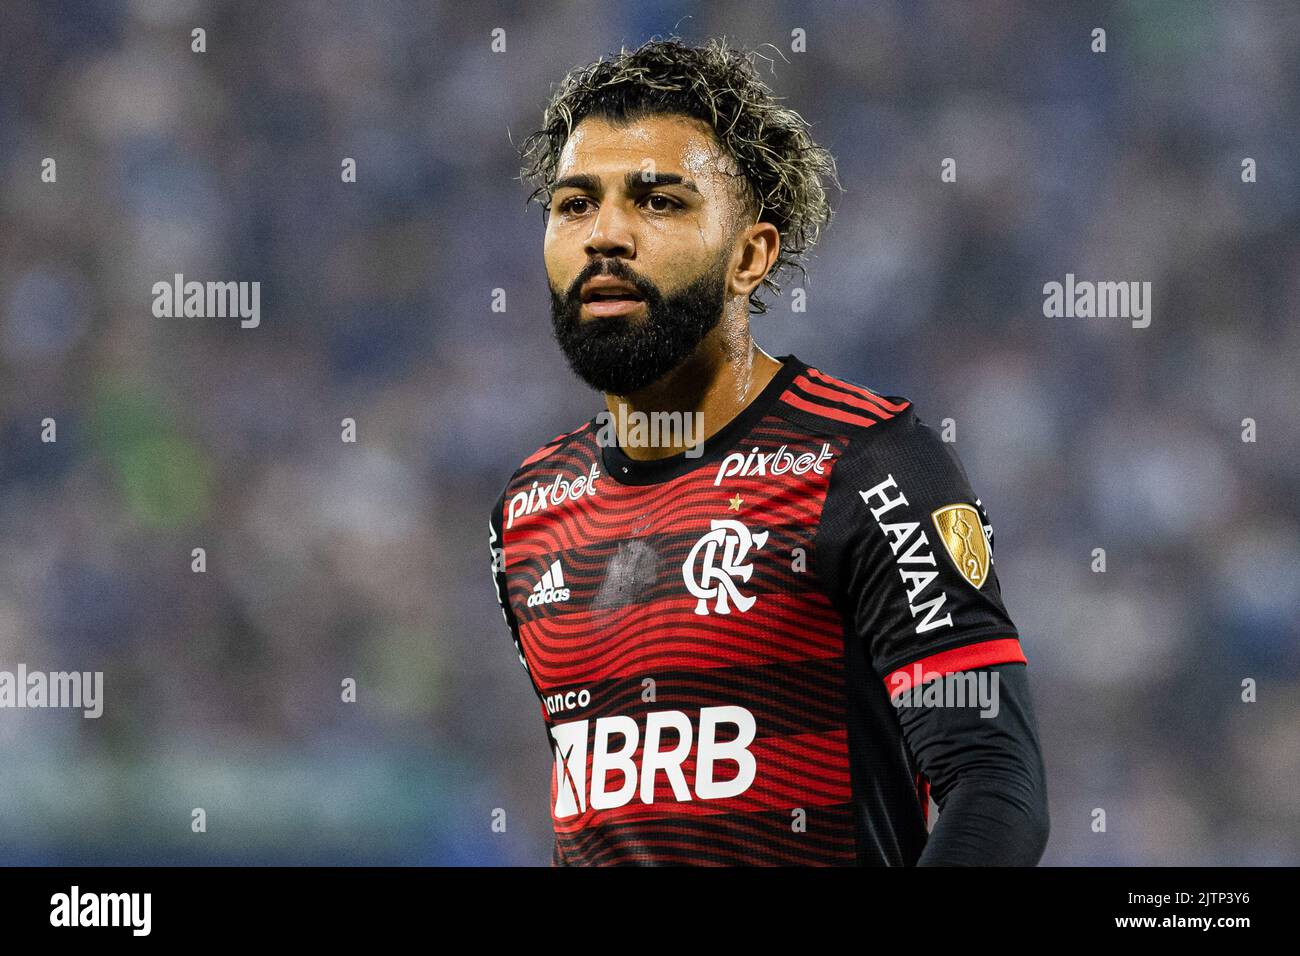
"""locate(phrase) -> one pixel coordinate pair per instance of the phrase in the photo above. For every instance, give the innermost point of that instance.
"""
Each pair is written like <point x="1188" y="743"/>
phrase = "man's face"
<point x="649" y="204"/>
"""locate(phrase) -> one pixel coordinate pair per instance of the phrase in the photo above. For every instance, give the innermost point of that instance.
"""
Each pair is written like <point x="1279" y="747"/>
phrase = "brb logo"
<point x="571" y="759"/>
<point x="708" y="576"/>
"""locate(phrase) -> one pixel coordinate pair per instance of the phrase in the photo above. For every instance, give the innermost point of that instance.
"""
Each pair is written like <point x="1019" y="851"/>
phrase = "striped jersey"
<point x="718" y="639"/>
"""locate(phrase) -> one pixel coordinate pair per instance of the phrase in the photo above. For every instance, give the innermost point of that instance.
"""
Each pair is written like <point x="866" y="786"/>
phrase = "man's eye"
<point x="666" y="203"/>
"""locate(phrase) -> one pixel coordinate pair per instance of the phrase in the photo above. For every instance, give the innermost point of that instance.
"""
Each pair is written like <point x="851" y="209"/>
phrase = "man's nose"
<point x="611" y="234"/>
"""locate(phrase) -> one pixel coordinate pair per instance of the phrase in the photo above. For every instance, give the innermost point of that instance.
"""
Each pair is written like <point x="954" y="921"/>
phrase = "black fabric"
<point x="856" y="550"/>
<point x="496" y="547"/>
<point x="986" y="774"/>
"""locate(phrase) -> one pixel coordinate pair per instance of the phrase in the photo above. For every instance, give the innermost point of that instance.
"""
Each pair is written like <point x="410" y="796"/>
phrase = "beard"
<point x="622" y="354"/>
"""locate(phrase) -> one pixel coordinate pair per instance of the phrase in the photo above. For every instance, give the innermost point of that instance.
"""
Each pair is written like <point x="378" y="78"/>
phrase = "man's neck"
<point x="710" y="388"/>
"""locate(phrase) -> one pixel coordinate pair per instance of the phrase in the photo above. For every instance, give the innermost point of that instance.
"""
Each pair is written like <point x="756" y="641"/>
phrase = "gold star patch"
<point x="735" y="503"/>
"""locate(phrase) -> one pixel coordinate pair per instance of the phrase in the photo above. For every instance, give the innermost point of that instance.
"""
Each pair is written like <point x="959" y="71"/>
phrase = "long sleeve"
<point x="908" y="551"/>
<point x="986" y="775"/>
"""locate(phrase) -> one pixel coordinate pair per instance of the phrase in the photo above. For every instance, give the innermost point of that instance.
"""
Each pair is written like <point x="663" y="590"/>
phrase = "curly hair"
<point x="780" y="169"/>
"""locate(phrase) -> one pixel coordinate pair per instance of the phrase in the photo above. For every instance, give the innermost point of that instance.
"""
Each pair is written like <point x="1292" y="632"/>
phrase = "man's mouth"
<point x="608" y="295"/>
<point x="612" y="305"/>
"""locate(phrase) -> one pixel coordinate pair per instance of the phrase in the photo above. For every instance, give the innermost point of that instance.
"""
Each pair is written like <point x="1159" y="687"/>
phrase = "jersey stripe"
<point x="1004" y="650"/>
<point x="551" y="445"/>
<point x="821" y="391"/>
<point x="826" y="411"/>
<point x="859" y="390"/>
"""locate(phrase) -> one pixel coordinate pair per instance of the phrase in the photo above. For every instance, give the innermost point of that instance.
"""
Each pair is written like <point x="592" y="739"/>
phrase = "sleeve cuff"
<point x="1004" y="650"/>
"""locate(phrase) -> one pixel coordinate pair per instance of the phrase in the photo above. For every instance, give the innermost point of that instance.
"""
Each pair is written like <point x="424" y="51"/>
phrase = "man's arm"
<point x="986" y="775"/>
<point x="497" y="549"/>
<point x="907" y="551"/>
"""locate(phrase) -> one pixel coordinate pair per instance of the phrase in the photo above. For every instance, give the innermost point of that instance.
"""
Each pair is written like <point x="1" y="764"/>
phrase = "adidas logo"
<point x="550" y="589"/>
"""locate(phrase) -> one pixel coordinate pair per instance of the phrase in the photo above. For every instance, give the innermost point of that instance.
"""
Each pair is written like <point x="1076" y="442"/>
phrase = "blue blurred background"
<point x="329" y="560"/>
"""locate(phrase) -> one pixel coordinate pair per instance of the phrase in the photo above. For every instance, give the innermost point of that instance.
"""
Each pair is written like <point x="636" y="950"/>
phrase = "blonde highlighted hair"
<point x="782" y="174"/>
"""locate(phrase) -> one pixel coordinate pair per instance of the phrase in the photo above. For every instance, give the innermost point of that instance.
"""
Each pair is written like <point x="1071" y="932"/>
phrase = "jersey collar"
<point x="631" y="471"/>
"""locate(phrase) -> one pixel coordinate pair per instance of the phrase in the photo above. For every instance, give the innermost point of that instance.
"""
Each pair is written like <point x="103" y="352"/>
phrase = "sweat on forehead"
<point x="675" y="143"/>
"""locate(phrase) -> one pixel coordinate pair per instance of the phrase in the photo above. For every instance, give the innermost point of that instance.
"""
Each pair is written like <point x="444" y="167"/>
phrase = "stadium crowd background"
<point x="328" y="560"/>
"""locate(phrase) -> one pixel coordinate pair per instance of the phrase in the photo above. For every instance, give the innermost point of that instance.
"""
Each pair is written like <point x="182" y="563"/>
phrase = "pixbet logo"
<point x="714" y="576"/>
<point x="774" y="463"/>
<point x="573" y="795"/>
<point x="539" y="496"/>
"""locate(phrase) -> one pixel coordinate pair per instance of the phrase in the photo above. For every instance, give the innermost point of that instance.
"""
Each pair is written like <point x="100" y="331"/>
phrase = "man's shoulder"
<point x="829" y="404"/>
<point x="548" y="453"/>
<point x="880" y="433"/>
<point x="556" y="444"/>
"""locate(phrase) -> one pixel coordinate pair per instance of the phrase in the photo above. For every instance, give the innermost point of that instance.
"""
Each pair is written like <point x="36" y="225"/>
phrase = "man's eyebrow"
<point x="633" y="181"/>
<point x="639" y="180"/>
<point x="577" y="181"/>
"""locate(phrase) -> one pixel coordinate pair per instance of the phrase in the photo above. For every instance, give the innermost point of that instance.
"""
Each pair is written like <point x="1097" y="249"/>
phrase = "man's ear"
<point x="759" y="251"/>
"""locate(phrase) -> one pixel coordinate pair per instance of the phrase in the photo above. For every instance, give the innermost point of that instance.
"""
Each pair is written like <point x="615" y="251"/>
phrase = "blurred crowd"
<point x="328" y="560"/>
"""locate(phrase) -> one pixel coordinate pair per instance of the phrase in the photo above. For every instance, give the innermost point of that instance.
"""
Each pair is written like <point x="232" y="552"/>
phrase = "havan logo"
<point x="913" y="556"/>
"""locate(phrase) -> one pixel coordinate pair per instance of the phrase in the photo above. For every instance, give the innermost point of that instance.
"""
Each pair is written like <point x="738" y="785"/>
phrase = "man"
<point x="746" y="648"/>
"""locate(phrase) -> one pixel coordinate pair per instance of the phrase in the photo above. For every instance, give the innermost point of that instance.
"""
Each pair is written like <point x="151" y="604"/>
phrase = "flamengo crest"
<point x="710" y="575"/>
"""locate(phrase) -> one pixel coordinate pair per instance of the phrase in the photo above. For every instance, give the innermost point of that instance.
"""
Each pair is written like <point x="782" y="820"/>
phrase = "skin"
<point x="666" y="241"/>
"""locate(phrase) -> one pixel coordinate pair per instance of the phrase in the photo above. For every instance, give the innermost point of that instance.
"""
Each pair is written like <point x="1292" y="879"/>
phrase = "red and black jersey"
<point x="715" y="638"/>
